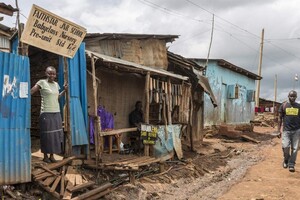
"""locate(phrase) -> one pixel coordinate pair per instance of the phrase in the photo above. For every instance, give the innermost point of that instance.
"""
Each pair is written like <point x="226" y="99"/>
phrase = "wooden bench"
<point x="117" y="134"/>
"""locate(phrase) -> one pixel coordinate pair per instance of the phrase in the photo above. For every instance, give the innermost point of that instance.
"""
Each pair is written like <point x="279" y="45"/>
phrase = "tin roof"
<point x="232" y="67"/>
<point x="118" y="36"/>
<point x="7" y="9"/>
<point x="141" y="68"/>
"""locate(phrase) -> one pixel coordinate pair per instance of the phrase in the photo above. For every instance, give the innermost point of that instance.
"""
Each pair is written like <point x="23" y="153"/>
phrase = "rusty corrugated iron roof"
<point x="154" y="70"/>
<point x="182" y="61"/>
<point x="7" y="9"/>
<point x="118" y="36"/>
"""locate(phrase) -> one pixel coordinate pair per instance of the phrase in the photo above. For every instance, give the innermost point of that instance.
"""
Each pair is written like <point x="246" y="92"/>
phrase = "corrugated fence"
<point x="15" y="153"/>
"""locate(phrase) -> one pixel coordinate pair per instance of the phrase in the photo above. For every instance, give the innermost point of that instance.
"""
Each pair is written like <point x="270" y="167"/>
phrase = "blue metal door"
<point x="15" y="152"/>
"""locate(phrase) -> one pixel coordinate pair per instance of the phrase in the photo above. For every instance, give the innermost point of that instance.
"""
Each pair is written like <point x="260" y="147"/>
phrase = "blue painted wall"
<point x="15" y="152"/>
<point x="229" y="111"/>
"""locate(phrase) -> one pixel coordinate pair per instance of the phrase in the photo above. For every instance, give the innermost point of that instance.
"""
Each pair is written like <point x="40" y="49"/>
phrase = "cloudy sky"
<point x="237" y="30"/>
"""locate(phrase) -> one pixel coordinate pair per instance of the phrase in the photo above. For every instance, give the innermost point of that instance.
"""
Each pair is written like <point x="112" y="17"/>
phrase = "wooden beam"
<point x="61" y="163"/>
<point x="55" y="194"/>
<point x="117" y="131"/>
<point x="62" y="182"/>
<point x="93" y="192"/>
<point x="55" y="184"/>
<point x="6" y="11"/>
<point x="68" y="145"/>
<point x="169" y="86"/>
<point x="82" y="186"/>
<point x="147" y="108"/>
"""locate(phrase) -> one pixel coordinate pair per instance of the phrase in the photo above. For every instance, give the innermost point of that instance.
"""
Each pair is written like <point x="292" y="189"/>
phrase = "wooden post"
<point x="190" y="122"/>
<point x="170" y="102"/>
<point x="275" y="96"/>
<point x="147" y="107"/>
<point x="68" y="145"/>
<point x="98" y="140"/>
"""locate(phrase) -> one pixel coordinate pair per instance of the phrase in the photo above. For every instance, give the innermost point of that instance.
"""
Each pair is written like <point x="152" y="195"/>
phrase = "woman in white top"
<point x="51" y="132"/>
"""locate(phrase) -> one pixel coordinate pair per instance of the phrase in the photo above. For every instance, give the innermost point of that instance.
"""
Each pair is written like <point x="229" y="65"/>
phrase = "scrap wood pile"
<point x="63" y="181"/>
<point x="265" y="119"/>
<point x="133" y="165"/>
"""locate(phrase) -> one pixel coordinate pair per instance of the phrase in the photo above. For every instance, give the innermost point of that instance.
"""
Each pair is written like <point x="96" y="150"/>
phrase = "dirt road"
<point x="268" y="179"/>
<point x="225" y="166"/>
<point x="234" y="169"/>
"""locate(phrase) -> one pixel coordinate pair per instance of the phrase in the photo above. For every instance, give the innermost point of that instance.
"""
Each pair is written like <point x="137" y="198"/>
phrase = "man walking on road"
<point x="290" y="116"/>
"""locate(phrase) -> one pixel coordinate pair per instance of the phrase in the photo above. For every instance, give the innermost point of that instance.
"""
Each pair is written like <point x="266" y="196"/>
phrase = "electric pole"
<point x="275" y="96"/>
<point x="259" y="69"/>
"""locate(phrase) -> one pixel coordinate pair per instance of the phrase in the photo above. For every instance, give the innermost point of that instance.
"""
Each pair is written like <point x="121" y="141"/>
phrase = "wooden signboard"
<point x="148" y="134"/>
<point x="52" y="33"/>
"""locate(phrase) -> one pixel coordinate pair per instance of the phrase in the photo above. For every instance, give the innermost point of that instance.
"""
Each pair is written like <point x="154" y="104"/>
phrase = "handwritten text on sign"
<point x="50" y="32"/>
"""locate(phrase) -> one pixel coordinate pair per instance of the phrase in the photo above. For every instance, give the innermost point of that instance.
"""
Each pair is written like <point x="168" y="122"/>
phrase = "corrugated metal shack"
<point x="15" y="153"/>
<point x="131" y="67"/>
<point x="234" y="88"/>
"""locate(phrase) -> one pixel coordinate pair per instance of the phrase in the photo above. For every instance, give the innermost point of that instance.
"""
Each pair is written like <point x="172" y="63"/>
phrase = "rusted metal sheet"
<point x="15" y="153"/>
<point x="148" y="51"/>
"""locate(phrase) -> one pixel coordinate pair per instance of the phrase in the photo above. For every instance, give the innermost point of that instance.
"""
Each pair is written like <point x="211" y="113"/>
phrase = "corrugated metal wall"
<point x="78" y="97"/>
<point x="229" y="111"/>
<point x="15" y="153"/>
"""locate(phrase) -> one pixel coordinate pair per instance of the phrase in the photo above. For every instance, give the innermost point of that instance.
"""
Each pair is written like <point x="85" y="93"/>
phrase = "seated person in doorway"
<point x="136" y="116"/>
<point x="135" y="119"/>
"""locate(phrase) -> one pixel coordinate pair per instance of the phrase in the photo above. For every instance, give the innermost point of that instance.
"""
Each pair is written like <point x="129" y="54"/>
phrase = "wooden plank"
<point x="82" y="186"/>
<point x="93" y="192"/>
<point x="48" y="181"/>
<point x="101" y="194"/>
<point x="48" y="170"/>
<point x="55" y="194"/>
<point x="135" y="160"/>
<point x="54" y="186"/>
<point x="61" y="163"/>
<point x="78" y="179"/>
<point x="68" y="194"/>
<point x="62" y="182"/>
<point x="37" y="172"/>
<point x="70" y="175"/>
<point x="43" y="176"/>
<point x="149" y="162"/>
<point x="11" y="194"/>
<point x="248" y="138"/>
<point x="124" y="168"/>
<point x="124" y="162"/>
<point x="144" y="161"/>
<point x="117" y="131"/>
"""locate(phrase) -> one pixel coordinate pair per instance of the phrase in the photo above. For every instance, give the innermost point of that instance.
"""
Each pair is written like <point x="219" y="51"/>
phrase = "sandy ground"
<point x="244" y="171"/>
<point x="224" y="167"/>
<point x="268" y="179"/>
